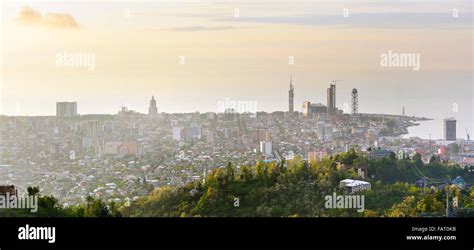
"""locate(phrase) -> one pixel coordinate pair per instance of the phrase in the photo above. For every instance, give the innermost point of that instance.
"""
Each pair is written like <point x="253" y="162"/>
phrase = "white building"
<point x="354" y="186"/>
<point x="266" y="147"/>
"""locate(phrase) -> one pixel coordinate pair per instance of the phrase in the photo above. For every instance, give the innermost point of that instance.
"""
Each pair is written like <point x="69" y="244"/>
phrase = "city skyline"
<point x="192" y="56"/>
<point x="331" y="95"/>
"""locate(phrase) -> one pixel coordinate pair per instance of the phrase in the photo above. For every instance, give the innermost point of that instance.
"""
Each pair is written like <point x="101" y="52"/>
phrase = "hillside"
<point x="300" y="188"/>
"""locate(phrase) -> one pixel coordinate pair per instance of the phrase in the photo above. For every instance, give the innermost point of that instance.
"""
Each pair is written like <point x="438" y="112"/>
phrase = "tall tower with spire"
<point x="153" y="109"/>
<point x="291" y="96"/>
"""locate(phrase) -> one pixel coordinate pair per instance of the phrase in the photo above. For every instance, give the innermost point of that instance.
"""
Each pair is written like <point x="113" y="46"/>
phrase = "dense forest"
<point x="296" y="188"/>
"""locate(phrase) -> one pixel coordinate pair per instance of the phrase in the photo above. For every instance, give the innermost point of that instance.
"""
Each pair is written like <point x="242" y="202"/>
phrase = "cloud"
<point x="374" y="20"/>
<point x="29" y="16"/>
<point x="59" y="20"/>
<point x="199" y="28"/>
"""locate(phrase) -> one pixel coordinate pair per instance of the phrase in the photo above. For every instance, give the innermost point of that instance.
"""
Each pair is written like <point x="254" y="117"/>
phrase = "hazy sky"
<point x="137" y="45"/>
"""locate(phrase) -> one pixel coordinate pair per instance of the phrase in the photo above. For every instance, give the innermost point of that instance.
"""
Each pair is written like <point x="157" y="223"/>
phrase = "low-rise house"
<point x="353" y="186"/>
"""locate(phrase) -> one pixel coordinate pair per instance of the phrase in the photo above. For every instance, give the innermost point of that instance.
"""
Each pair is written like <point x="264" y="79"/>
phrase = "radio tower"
<point x="354" y="102"/>
<point x="291" y="96"/>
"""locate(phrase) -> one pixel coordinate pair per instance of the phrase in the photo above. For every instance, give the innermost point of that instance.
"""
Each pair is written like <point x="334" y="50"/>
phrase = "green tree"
<point x="229" y="174"/>
<point x="33" y="191"/>
<point x="417" y="160"/>
<point x="246" y="173"/>
<point x="406" y="208"/>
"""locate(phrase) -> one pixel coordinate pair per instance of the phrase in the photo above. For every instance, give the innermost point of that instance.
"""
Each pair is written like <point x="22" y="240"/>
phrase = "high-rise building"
<point x="331" y="99"/>
<point x="177" y="133"/>
<point x="261" y="134"/>
<point x="66" y="109"/>
<point x="318" y="111"/>
<point x="193" y="132"/>
<point x="291" y="96"/>
<point x="307" y="109"/>
<point x="153" y="109"/>
<point x="449" y="129"/>
<point x="314" y="110"/>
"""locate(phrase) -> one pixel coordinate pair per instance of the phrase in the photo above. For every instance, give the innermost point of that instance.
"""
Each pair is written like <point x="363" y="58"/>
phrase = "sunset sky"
<point x="137" y="45"/>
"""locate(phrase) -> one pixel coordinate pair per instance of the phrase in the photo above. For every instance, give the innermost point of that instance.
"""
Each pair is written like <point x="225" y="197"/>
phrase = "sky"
<point x="239" y="50"/>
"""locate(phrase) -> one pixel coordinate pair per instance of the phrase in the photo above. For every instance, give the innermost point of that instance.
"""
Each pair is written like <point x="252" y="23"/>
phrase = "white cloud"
<point x="29" y="16"/>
